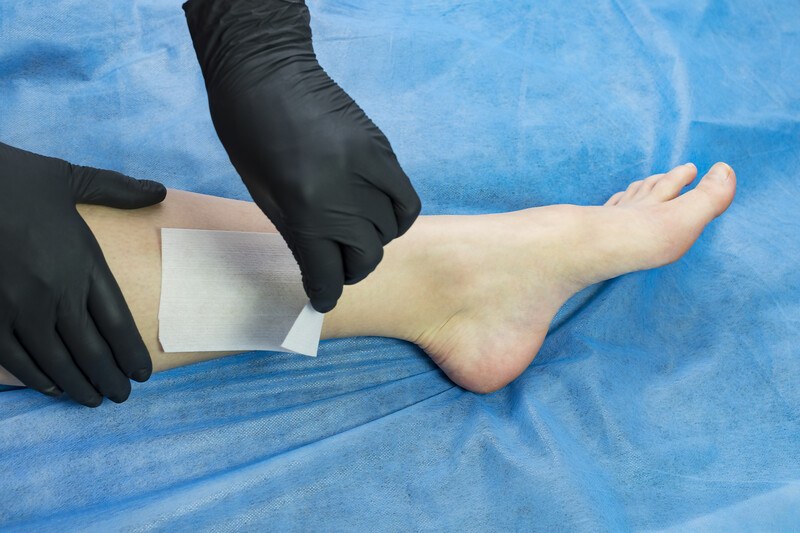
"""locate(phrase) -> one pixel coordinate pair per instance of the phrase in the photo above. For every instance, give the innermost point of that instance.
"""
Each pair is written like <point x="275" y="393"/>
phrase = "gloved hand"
<point x="64" y="324"/>
<point x="317" y="166"/>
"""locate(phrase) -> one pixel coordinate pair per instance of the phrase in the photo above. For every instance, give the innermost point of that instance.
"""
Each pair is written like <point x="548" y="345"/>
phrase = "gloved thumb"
<point x="112" y="189"/>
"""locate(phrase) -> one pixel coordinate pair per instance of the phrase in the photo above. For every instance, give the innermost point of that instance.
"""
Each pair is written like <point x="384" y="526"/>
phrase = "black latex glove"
<point x="317" y="166"/>
<point x="64" y="324"/>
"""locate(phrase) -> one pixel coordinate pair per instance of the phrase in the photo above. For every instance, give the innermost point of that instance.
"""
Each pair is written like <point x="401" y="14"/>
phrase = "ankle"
<point x="397" y="299"/>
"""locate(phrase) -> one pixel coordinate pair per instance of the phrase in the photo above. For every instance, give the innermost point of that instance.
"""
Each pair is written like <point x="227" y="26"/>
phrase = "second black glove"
<point x="315" y="164"/>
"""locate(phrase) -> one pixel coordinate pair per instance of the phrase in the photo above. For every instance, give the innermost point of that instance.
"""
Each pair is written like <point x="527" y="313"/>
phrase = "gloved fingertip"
<point x="323" y="307"/>
<point x="119" y="398"/>
<point x="356" y="279"/>
<point x="94" y="401"/>
<point x="53" y="391"/>
<point x="157" y="190"/>
<point x="407" y="214"/>
<point x="141" y="375"/>
<point x="142" y="193"/>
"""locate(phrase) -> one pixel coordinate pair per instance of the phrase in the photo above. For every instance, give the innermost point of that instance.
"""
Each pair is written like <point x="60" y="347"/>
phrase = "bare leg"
<point x="476" y="292"/>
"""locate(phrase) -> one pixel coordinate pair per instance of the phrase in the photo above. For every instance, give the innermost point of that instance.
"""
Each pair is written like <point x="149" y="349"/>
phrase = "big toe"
<point x="685" y="217"/>
<point x="681" y="221"/>
<point x="713" y="194"/>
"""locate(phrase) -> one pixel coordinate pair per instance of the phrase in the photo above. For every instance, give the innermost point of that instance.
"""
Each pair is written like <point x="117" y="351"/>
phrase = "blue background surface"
<point x="663" y="399"/>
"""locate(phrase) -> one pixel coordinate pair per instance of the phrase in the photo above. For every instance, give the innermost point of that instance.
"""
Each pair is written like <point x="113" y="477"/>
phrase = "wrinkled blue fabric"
<point x="666" y="399"/>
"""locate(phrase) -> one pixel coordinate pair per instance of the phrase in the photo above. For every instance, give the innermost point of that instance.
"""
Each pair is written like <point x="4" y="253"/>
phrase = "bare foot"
<point x="506" y="275"/>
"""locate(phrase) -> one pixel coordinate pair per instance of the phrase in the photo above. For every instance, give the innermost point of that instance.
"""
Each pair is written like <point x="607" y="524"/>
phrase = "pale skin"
<point x="477" y="293"/>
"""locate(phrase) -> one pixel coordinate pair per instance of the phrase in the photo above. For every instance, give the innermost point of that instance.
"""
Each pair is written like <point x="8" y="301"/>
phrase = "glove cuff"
<point x="248" y="37"/>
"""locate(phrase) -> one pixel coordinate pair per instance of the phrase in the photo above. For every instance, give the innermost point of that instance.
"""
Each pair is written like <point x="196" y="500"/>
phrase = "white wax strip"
<point x="233" y="291"/>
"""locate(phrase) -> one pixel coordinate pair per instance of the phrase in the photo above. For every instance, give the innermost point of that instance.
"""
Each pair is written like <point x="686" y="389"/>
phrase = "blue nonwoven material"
<point x="661" y="400"/>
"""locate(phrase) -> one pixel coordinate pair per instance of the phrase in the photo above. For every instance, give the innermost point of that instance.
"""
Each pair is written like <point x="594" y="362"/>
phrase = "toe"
<point x="708" y="200"/>
<point x="715" y="190"/>
<point x="672" y="183"/>
<point x="630" y="193"/>
<point x="685" y="217"/>
<point x="646" y="187"/>
<point x="614" y="200"/>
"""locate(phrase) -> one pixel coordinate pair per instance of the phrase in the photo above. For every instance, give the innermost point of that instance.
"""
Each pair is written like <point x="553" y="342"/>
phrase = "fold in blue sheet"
<point x="661" y="400"/>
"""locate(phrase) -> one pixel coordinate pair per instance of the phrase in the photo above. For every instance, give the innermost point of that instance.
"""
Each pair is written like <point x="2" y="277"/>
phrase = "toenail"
<point x="721" y="171"/>
<point x="690" y="164"/>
